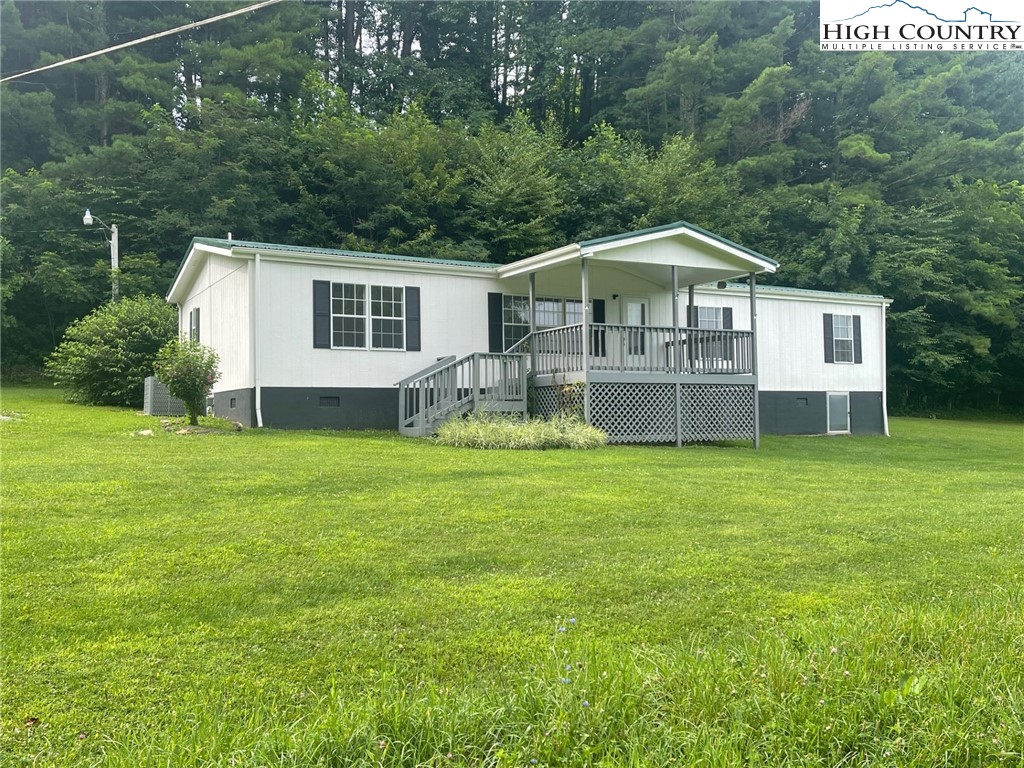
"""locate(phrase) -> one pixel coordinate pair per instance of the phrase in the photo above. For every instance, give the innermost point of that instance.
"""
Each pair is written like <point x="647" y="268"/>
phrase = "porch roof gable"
<point x="701" y="256"/>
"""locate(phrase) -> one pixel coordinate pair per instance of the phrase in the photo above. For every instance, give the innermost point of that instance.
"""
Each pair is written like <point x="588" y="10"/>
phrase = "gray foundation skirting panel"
<point x="157" y="401"/>
<point x="806" y="413"/>
<point x="236" y="405"/>
<point x="330" y="408"/>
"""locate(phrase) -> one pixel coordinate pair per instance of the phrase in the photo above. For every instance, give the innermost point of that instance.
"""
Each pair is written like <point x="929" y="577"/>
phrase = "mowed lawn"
<point x="317" y="598"/>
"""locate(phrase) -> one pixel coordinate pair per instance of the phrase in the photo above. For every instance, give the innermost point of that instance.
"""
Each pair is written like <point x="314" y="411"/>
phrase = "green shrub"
<point x="105" y="356"/>
<point x="503" y="431"/>
<point x="189" y="371"/>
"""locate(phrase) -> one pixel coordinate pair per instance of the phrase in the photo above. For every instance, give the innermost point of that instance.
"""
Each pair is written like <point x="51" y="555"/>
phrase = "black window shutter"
<point x="321" y="314"/>
<point x="858" y="356"/>
<point x="830" y="349"/>
<point x="727" y="318"/>
<point x="598" y="344"/>
<point x="412" y="319"/>
<point x="496" y="334"/>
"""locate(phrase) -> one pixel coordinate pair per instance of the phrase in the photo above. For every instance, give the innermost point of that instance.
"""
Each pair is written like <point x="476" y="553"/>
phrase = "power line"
<point x="139" y="41"/>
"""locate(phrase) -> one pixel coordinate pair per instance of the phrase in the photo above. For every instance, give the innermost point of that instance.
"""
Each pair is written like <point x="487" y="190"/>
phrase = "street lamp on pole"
<point x="115" y="282"/>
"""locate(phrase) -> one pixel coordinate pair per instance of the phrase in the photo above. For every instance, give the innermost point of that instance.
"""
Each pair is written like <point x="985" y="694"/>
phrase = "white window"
<point x="352" y="314"/>
<point x="348" y="315"/>
<point x="515" y="316"/>
<point x="193" y="325"/>
<point x="842" y="338"/>
<point x="573" y="311"/>
<point x="387" y="321"/>
<point x="710" y="318"/>
<point x="551" y="313"/>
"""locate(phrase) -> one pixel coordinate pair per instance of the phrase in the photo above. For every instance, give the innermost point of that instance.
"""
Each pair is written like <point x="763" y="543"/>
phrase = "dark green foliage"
<point x="189" y="371"/>
<point x="106" y="355"/>
<point x="491" y="131"/>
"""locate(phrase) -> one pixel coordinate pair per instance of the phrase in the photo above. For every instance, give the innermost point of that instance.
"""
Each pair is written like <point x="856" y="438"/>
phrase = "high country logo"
<point x="945" y="25"/>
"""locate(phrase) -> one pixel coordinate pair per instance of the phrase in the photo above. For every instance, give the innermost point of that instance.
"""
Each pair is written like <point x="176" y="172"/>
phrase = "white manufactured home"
<point x="662" y="335"/>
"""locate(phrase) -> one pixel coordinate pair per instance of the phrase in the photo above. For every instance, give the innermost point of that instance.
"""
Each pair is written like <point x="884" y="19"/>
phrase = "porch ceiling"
<point x="699" y="256"/>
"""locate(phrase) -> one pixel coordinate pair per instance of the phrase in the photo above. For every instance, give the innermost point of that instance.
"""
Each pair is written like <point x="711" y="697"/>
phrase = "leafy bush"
<point x="105" y="356"/>
<point x="502" y="431"/>
<point x="189" y="371"/>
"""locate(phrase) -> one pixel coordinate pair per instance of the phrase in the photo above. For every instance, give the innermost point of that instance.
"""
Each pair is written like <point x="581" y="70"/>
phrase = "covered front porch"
<point x="642" y="360"/>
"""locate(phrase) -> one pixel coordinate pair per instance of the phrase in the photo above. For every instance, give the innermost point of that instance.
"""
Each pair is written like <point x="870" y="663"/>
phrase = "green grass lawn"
<point x="317" y="598"/>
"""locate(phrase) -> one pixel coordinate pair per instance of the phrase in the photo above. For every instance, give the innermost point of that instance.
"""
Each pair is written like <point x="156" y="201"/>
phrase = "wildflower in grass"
<point x="561" y="629"/>
<point x="533" y="761"/>
<point x="586" y="703"/>
<point x="568" y="667"/>
<point x="572" y="620"/>
<point x="566" y="680"/>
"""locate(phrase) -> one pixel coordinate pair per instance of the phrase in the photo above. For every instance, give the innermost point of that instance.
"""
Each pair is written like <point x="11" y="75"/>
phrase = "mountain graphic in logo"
<point x="970" y="15"/>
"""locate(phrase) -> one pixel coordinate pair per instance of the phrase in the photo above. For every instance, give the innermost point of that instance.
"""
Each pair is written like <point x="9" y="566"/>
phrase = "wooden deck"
<point x="633" y="349"/>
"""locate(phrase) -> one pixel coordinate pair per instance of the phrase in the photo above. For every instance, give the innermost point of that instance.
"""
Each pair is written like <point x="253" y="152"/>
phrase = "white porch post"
<point x="753" y="357"/>
<point x="533" y="320"/>
<point x="677" y="351"/>
<point x="690" y="319"/>
<point x="585" y="345"/>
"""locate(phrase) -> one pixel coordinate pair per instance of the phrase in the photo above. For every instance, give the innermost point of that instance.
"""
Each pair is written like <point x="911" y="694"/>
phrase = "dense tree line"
<point x="483" y="130"/>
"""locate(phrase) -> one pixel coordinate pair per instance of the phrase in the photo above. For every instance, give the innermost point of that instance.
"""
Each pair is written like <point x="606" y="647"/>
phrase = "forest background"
<point x="496" y="130"/>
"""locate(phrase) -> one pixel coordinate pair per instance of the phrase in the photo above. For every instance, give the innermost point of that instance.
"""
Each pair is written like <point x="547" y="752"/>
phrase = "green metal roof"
<point x="770" y="288"/>
<point x="281" y="248"/>
<point x="678" y="225"/>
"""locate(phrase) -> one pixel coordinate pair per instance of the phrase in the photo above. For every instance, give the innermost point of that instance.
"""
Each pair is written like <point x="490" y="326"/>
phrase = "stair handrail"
<point x="442" y="362"/>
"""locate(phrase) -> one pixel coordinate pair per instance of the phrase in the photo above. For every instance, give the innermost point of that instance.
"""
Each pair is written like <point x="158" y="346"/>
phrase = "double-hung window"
<point x="515" y="311"/>
<point x="710" y="318"/>
<point x="387" y="321"/>
<point x="842" y="338"/>
<point x="361" y="314"/>
<point x="348" y="315"/>
<point x="193" y="325"/>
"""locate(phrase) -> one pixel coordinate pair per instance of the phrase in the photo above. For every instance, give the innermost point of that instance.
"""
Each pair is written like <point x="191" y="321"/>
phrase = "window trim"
<point x="836" y="338"/>
<point x="387" y="318"/>
<point x="368" y="317"/>
<point x="719" y="317"/>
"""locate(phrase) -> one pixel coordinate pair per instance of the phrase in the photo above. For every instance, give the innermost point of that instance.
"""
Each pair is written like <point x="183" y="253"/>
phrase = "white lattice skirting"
<point x="646" y="413"/>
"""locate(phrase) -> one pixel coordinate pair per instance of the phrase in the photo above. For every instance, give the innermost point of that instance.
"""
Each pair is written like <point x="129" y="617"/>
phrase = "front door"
<point x="636" y="313"/>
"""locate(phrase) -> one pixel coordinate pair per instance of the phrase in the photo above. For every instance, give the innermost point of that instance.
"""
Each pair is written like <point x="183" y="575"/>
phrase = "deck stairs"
<point x="482" y="381"/>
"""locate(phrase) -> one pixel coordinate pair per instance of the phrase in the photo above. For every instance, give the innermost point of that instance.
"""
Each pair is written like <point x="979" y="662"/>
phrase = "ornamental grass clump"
<point x="488" y="430"/>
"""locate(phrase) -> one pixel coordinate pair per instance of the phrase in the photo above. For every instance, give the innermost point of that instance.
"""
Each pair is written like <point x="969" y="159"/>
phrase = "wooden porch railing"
<point x="644" y="349"/>
<point x="483" y="381"/>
